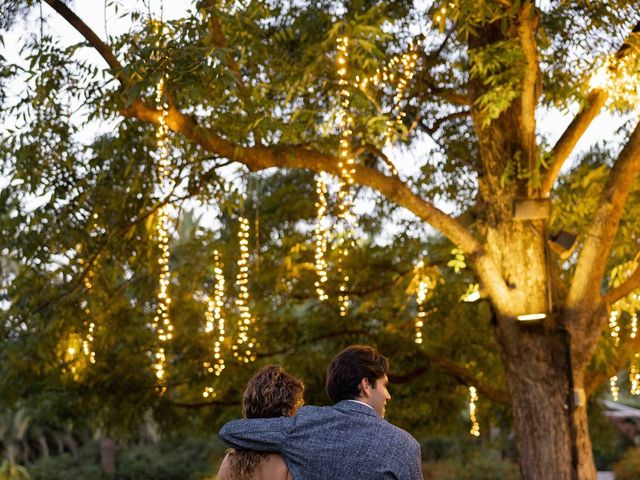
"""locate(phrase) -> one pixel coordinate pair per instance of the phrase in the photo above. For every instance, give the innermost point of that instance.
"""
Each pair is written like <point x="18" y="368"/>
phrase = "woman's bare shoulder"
<point x="274" y="468"/>
<point x="223" y="472"/>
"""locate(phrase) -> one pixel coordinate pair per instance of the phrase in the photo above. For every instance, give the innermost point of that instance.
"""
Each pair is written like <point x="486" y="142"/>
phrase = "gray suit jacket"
<point x="348" y="441"/>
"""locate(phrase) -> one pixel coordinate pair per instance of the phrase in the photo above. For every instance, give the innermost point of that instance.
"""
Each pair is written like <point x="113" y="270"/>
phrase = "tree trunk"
<point x="583" y="450"/>
<point x="44" y="447"/>
<point x="539" y="384"/>
<point x="108" y="456"/>
<point x="552" y="436"/>
<point x="552" y="442"/>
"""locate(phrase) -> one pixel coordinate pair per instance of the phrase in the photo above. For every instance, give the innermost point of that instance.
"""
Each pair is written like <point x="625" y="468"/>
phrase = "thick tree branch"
<point x="377" y="153"/>
<point x="567" y="142"/>
<point x="574" y="132"/>
<point x="530" y="93"/>
<point x="207" y="403"/>
<point x="450" y="95"/>
<point x="456" y="371"/>
<point x="628" y="286"/>
<point x="604" y="224"/>
<point x="84" y="30"/>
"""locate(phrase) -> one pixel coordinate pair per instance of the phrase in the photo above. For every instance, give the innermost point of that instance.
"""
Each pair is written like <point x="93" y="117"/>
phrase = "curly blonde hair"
<point x="271" y="392"/>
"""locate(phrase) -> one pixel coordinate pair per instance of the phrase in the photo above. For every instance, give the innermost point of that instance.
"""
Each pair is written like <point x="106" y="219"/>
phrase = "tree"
<point x="255" y="84"/>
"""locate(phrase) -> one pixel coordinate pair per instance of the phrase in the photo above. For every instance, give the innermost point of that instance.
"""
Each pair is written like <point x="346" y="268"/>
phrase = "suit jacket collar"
<point x="347" y="406"/>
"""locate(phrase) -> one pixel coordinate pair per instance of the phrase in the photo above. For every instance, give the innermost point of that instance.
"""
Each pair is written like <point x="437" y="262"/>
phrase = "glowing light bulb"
<point x="634" y="375"/>
<point x="423" y="290"/>
<point x="614" y="326"/>
<point x="615" y="390"/>
<point x="473" y="411"/>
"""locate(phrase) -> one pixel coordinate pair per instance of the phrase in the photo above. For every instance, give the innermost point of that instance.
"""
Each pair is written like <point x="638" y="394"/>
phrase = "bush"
<point x="67" y="467"/>
<point x="628" y="468"/>
<point x="170" y="459"/>
<point x="190" y="459"/>
<point x="13" y="472"/>
<point x="475" y="468"/>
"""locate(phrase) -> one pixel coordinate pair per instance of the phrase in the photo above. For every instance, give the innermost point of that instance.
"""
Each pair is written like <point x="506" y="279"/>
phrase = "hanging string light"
<point x="400" y="67"/>
<point x="615" y="390"/>
<point x="346" y="164"/>
<point x="346" y="161"/>
<point x="423" y="282"/>
<point x="634" y="325"/>
<point x="408" y="62"/>
<point x="243" y="348"/>
<point x="634" y="374"/>
<point x="161" y="321"/>
<point x="441" y="13"/>
<point x="215" y="321"/>
<point x="473" y="399"/>
<point x="72" y="363"/>
<point x="614" y="326"/>
<point x="343" y="295"/>
<point x="423" y="289"/>
<point x="419" y="322"/>
<point x="321" y="238"/>
<point x="88" y="323"/>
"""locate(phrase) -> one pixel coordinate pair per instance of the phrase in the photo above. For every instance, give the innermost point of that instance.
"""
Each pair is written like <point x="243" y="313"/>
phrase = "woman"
<point x="271" y="392"/>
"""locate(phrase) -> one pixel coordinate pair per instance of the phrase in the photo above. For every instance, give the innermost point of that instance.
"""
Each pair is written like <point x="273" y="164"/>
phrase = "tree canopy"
<point x="447" y="104"/>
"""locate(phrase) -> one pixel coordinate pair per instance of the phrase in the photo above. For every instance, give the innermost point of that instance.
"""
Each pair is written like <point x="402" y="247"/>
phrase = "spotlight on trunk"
<point x="531" y="317"/>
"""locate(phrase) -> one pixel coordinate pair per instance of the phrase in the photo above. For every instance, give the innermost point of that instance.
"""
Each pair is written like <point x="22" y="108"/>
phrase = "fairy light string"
<point x="421" y="297"/>
<point x="614" y="326"/>
<point x="215" y="324"/>
<point x="346" y="165"/>
<point x="321" y="239"/>
<point x="634" y="374"/>
<point x="613" y="386"/>
<point x="473" y="412"/>
<point x="408" y="63"/>
<point x="423" y="289"/>
<point x="81" y="342"/>
<point x="243" y="349"/>
<point x="399" y="69"/>
<point x="88" y="323"/>
<point x="162" y="321"/>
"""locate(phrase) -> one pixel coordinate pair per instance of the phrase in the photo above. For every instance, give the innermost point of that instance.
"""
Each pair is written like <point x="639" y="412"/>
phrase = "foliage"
<point x="628" y="468"/>
<point x="80" y="201"/>
<point x="13" y="472"/>
<point x="608" y="444"/>
<point x="27" y="434"/>
<point x="185" y="458"/>
<point x="499" y="66"/>
<point x="484" y="467"/>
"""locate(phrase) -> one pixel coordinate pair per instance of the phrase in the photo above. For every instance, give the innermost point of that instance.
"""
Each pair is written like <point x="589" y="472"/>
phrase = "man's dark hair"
<point x="349" y="367"/>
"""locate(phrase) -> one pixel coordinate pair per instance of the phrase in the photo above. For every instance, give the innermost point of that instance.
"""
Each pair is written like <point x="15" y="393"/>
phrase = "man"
<point x="349" y="441"/>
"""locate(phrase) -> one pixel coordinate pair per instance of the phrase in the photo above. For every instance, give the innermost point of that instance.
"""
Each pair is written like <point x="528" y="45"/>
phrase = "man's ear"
<point x="365" y="388"/>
